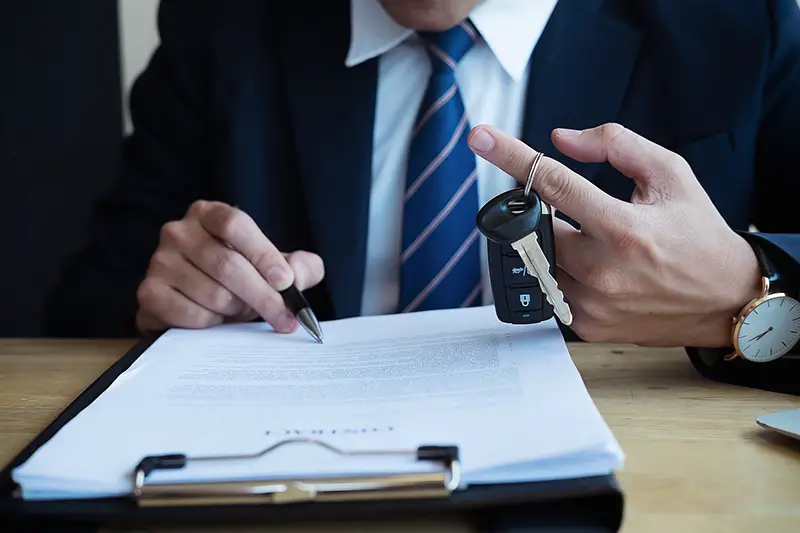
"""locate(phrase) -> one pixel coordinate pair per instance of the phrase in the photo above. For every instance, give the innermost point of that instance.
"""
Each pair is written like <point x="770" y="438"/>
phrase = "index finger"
<point x="555" y="183"/>
<point x="237" y="230"/>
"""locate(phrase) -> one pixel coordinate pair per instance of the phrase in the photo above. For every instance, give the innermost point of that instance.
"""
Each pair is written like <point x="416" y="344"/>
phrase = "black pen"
<point x="299" y="307"/>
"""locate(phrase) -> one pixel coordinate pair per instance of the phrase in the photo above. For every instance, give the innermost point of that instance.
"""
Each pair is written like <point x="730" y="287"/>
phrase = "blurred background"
<point x="68" y="66"/>
<point x="67" y="70"/>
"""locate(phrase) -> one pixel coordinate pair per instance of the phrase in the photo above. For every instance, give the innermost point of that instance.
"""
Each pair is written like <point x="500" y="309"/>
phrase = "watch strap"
<point x="768" y="269"/>
<point x="781" y="375"/>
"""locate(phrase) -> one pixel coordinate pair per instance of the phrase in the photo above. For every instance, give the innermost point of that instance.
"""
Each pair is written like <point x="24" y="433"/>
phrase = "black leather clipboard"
<point x="593" y="504"/>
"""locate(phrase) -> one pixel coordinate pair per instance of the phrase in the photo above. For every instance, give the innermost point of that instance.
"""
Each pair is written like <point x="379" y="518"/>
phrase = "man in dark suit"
<point x="347" y="136"/>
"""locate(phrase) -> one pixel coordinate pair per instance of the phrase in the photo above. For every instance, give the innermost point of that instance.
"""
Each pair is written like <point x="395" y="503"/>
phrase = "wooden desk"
<point x="696" y="461"/>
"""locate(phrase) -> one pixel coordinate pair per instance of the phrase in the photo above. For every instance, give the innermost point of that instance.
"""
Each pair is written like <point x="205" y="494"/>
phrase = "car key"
<point x="517" y="226"/>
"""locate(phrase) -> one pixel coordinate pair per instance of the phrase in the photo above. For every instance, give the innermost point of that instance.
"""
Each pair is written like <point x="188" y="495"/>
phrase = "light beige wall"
<point x="138" y="39"/>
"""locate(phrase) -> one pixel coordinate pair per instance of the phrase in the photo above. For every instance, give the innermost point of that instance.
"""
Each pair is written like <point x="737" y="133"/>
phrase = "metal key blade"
<point x="537" y="264"/>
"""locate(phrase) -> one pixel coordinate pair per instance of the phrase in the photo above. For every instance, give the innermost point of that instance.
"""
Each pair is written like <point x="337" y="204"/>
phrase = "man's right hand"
<point x="216" y="266"/>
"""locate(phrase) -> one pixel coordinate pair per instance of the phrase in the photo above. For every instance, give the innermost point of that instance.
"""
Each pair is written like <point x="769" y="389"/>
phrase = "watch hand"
<point x="759" y="336"/>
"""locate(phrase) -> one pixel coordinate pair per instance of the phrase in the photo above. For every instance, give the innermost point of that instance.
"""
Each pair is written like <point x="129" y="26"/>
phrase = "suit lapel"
<point x="332" y="110"/>
<point x="579" y="74"/>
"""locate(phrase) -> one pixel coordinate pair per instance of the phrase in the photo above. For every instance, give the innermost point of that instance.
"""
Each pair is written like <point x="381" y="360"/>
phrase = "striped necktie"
<point x="440" y="258"/>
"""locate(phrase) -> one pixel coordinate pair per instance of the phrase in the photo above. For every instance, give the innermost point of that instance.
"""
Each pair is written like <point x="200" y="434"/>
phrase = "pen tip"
<point x="310" y="324"/>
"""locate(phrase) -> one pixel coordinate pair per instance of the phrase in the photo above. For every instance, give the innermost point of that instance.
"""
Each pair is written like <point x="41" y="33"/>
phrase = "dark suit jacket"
<point x="249" y="102"/>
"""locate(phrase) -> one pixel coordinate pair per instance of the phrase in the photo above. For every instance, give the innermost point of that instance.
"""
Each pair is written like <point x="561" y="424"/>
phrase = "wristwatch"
<point x="768" y="327"/>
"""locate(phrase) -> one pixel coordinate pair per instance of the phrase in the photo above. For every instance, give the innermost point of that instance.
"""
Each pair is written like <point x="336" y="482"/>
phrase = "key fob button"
<point x="524" y="299"/>
<point x="515" y="273"/>
<point x="508" y="249"/>
<point x="527" y="317"/>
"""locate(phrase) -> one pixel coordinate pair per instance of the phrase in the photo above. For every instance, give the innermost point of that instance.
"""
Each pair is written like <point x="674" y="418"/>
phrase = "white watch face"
<point x="770" y="330"/>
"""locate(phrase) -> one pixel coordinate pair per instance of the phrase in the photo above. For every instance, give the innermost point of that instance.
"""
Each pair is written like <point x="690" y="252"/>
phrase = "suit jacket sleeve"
<point x="164" y="167"/>
<point x="777" y="190"/>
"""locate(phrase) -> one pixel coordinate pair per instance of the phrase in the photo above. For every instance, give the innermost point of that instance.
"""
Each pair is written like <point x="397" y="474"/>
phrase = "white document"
<point x="508" y="396"/>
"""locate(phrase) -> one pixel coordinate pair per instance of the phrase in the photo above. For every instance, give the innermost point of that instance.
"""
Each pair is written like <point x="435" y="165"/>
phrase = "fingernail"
<point x="481" y="141"/>
<point x="279" y="278"/>
<point x="565" y="132"/>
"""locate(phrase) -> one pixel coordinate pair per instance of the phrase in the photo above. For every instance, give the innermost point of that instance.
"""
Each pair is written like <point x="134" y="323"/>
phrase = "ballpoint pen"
<point x="298" y="305"/>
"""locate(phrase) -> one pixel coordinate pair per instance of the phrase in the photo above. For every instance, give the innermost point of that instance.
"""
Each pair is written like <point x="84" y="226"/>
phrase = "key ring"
<point x="532" y="173"/>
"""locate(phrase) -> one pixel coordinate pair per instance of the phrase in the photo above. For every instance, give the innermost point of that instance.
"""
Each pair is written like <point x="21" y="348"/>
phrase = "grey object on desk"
<point x="784" y="422"/>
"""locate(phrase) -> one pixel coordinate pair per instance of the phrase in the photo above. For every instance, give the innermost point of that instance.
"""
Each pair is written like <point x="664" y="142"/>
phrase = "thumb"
<point x="657" y="172"/>
<point x="307" y="267"/>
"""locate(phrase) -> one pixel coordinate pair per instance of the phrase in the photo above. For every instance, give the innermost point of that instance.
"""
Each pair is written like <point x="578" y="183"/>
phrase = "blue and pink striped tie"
<point x="440" y="259"/>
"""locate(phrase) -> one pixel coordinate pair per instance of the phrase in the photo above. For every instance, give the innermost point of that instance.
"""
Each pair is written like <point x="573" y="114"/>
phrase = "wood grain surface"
<point x="696" y="461"/>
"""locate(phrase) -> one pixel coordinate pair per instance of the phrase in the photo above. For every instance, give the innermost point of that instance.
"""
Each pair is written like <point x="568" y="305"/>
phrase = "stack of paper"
<point x="508" y="396"/>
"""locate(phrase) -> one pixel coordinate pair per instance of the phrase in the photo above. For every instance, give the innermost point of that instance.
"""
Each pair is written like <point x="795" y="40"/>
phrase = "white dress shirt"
<point x="492" y="80"/>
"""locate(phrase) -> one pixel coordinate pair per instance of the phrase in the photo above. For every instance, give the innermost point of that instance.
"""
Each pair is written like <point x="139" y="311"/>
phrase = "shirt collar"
<point x="510" y="28"/>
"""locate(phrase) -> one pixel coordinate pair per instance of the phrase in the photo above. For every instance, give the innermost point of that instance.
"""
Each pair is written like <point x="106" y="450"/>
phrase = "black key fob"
<point x="518" y="299"/>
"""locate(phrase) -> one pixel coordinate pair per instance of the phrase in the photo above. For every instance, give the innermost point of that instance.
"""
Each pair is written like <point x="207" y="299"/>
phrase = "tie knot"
<point x="446" y="48"/>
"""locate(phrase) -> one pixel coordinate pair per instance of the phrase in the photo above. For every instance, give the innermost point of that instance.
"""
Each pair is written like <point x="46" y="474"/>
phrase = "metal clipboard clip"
<point x="427" y="485"/>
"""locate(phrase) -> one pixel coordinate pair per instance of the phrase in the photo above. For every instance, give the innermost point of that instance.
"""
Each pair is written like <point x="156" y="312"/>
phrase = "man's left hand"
<point x="664" y="269"/>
